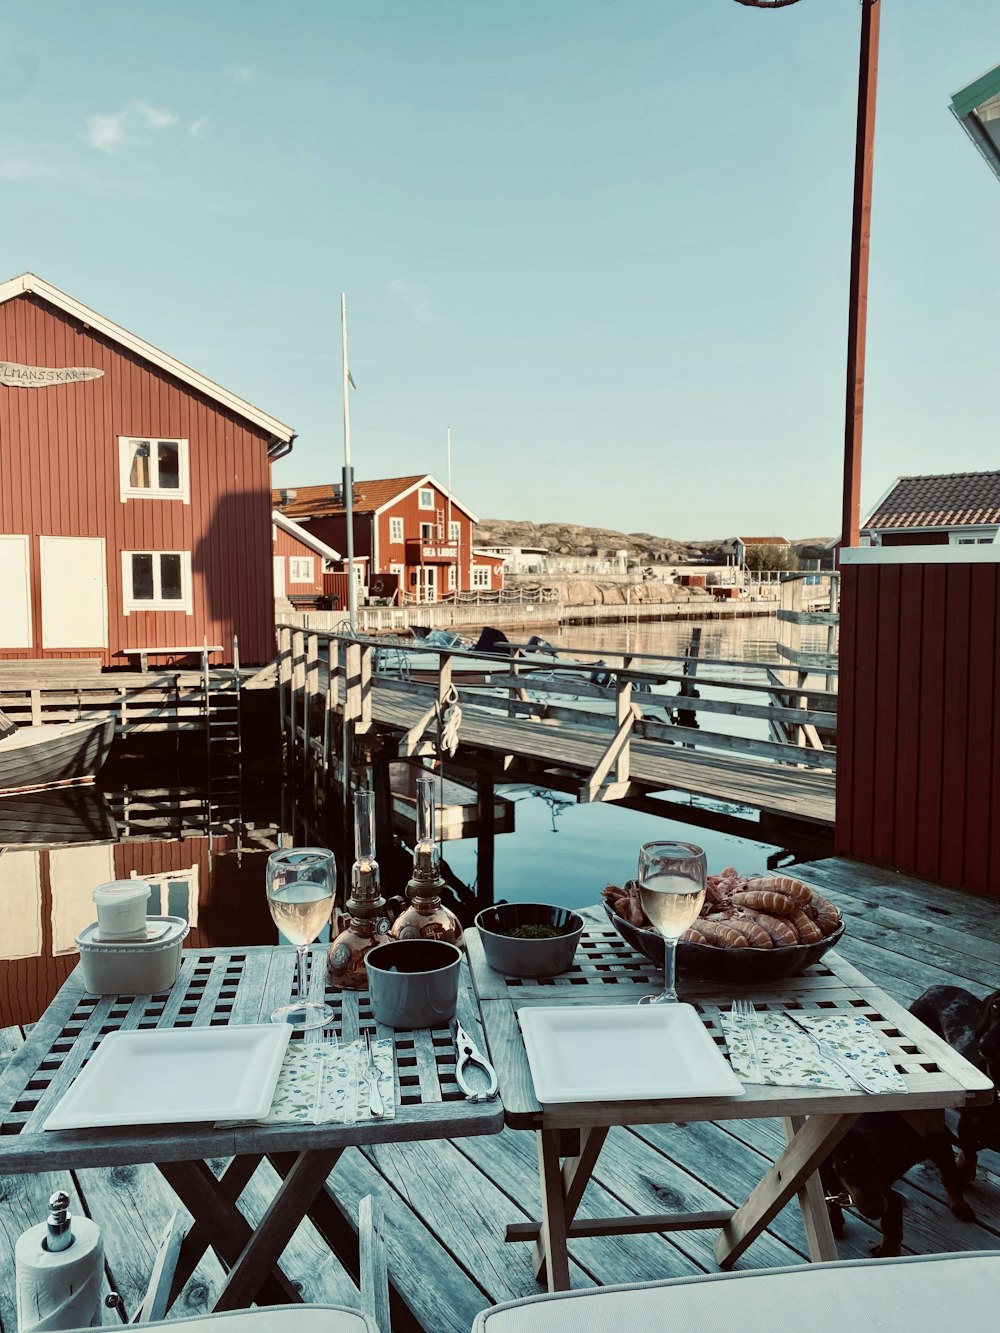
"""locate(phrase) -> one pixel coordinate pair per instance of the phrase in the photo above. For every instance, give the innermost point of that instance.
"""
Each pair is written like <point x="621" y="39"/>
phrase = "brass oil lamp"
<point x="366" y="923"/>
<point x="426" y="917"/>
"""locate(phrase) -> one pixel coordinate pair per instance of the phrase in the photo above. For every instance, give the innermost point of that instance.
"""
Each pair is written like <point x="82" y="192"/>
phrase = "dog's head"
<point x="856" y="1164"/>
<point x="987" y="1033"/>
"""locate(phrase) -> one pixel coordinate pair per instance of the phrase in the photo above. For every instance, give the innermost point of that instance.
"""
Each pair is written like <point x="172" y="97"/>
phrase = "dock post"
<point x="486" y="843"/>
<point x="382" y="757"/>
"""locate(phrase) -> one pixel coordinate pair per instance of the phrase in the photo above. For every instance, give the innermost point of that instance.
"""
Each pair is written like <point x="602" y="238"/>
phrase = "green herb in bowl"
<point x="533" y="933"/>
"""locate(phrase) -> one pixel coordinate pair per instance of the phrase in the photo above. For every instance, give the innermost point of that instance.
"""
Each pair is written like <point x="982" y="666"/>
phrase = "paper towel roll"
<point x="62" y="1288"/>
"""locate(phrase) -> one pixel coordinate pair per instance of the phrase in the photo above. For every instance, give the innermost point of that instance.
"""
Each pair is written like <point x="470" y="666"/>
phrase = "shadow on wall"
<point x="232" y="574"/>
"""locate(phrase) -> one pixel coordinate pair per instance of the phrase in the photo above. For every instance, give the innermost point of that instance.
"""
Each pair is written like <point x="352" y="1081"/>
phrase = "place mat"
<point x="789" y="1059"/>
<point x="320" y="1084"/>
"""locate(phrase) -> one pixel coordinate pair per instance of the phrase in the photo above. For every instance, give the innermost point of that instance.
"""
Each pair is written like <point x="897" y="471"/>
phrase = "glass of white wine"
<point x="672" y="891"/>
<point x="301" y="883"/>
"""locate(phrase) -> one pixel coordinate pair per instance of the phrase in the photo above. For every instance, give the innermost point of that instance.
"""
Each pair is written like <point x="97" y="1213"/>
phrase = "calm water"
<point x="155" y="823"/>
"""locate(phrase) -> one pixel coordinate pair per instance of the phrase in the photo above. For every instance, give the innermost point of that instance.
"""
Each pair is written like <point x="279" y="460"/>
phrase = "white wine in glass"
<point x="301" y="883"/>
<point x="672" y="892"/>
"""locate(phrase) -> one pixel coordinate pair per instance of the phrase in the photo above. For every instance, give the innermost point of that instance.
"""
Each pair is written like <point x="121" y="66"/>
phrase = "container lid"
<point x="122" y="890"/>
<point x="162" y="932"/>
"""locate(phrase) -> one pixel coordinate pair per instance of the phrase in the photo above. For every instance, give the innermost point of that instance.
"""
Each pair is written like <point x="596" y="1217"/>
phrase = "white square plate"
<point x="585" y="1053"/>
<point x="170" y="1075"/>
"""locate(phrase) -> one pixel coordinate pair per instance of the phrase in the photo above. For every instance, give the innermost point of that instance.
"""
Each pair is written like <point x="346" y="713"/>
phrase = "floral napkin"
<point x="788" y="1058"/>
<point x="321" y="1084"/>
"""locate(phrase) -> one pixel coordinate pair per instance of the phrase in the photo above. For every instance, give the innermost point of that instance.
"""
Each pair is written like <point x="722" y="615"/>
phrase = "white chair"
<point x="917" y="1294"/>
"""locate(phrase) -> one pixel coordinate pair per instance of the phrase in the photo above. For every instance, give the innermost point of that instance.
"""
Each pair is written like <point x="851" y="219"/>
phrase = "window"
<point x="395" y="529"/>
<point x="399" y="571"/>
<point x="481" y="576"/>
<point x="173" y="893"/>
<point x="427" y="532"/>
<point x="454" y="532"/>
<point x="156" y="580"/>
<point x="426" y="499"/>
<point x="153" y="469"/>
<point x="300" y="569"/>
<point x="451" y="578"/>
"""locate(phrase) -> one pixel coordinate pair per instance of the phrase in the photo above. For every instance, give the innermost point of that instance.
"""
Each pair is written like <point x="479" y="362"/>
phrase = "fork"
<point x="370" y="1075"/>
<point x="830" y="1053"/>
<point x="746" y="1018"/>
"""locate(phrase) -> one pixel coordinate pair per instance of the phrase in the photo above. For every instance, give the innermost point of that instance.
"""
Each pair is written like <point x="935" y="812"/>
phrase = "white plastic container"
<point x="121" y="909"/>
<point x="133" y="967"/>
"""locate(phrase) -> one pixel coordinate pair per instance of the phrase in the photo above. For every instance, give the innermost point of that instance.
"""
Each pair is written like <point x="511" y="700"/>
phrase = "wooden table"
<point x="217" y="986"/>
<point x="607" y="971"/>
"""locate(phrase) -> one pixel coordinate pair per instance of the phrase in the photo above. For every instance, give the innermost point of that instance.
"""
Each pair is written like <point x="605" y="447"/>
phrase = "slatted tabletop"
<point x="607" y="970"/>
<point x="218" y="987"/>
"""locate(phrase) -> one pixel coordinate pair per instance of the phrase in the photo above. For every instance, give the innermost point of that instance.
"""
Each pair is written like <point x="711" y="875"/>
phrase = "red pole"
<point x="858" y="318"/>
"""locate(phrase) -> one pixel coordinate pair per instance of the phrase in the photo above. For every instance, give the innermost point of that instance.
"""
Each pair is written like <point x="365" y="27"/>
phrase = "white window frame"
<point x="400" y="572"/>
<point x="183" y="491"/>
<point x="454" y="530"/>
<point x="132" y="603"/>
<point x="299" y="562"/>
<point x="159" y="900"/>
<point x="425" y="498"/>
<point x="482" y="576"/>
<point x="451" y="578"/>
<point x="396" y="530"/>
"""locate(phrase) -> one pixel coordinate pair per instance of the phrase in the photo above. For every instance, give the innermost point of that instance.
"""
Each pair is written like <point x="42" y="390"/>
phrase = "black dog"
<point x="871" y="1157"/>
<point x="972" y="1028"/>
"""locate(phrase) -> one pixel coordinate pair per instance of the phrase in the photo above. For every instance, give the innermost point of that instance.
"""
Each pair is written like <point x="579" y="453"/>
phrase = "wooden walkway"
<point x="447" y="1204"/>
<point x="799" y="793"/>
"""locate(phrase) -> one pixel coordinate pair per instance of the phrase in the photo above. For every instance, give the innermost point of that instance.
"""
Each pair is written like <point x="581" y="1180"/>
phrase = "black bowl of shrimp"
<point x="751" y="930"/>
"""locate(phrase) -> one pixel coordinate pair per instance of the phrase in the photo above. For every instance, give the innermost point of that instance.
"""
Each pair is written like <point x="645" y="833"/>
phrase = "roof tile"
<point x="953" y="499"/>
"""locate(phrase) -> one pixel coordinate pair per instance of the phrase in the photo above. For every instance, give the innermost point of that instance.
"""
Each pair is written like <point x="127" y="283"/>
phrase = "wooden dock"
<point x="447" y="1204"/>
<point x="612" y="742"/>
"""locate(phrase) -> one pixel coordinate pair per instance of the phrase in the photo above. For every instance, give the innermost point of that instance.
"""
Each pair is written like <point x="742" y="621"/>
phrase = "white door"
<point x="431" y="583"/>
<point x="74" y="593"/>
<point x="279" y="576"/>
<point x="15" y="593"/>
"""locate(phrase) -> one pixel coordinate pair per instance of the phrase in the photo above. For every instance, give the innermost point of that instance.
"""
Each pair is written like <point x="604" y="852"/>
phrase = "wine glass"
<point x="301" y="882"/>
<point x="672" y="891"/>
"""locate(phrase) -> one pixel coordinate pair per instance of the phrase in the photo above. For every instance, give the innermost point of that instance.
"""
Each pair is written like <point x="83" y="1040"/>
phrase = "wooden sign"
<point x="40" y="377"/>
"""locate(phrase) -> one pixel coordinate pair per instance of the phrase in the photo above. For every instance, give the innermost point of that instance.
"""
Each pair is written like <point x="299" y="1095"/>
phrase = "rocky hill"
<point x="576" y="539"/>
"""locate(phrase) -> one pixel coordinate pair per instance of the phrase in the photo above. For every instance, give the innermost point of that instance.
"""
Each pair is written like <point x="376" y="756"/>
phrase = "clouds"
<point x="415" y="299"/>
<point x="135" y="123"/>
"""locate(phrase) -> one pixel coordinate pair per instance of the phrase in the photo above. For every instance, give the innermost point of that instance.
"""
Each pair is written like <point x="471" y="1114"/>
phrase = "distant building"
<point x="518" y="559"/>
<point x="954" y="508"/>
<point x="307" y="571"/>
<point x="135" y="507"/>
<point x="415" y="541"/>
<point x="737" y="548"/>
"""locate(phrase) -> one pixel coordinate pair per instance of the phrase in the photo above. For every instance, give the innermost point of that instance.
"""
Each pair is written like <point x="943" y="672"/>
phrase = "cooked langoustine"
<point x="760" y="912"/>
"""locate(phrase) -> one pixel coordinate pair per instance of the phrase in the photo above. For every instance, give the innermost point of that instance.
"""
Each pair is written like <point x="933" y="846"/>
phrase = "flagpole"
<point x="352" y="596"/>
<point x="448" y="533"/>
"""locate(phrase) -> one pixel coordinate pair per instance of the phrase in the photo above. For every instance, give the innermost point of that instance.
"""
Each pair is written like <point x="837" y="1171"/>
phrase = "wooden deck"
<point x="447" y="1204"/>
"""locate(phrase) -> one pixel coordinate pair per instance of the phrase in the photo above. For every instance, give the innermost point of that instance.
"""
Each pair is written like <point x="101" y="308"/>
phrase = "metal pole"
<point x="850" y="532"/>
<point x="458" y="555"/>
<point x="352" y="597"/>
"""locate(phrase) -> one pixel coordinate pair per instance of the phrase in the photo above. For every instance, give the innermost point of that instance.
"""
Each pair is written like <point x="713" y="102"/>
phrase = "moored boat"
<point x="56" y="754"/>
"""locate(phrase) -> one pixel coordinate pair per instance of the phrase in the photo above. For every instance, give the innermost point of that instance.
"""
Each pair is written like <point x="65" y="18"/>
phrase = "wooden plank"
<point x="885" y="721"/>
<point x="957" y="724"/>
<point x="978" y="870"/>
<point x="902" y="820"/>
<point x="930" y="721"/>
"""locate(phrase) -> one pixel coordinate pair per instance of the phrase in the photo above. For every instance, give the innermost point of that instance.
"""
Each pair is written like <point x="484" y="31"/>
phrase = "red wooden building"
<point x="415" y="539"/>
<point x="918" y="729"/>
<point x="307" y="572"/>
<point x="949" y="509"/>
<point x="135" y="499"/>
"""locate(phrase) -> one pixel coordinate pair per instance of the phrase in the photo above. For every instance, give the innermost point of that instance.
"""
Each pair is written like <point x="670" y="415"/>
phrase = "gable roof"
<point x="948" y="500"/>
<point x="763" y="541"/>
<point x="31" y="284"/>
<point x="370" y="497"/>
<point x="304" y="536"/>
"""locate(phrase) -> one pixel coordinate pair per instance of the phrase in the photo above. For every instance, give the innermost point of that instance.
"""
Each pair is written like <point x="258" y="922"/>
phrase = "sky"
<point x="605" y="242"/>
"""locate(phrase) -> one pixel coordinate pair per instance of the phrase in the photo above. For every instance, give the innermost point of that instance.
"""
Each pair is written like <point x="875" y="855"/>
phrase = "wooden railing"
<point x="329" y="682"/>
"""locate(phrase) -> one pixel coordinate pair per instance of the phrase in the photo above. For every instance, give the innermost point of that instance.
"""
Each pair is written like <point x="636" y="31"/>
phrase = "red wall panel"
<point x="919" y="724"/>
<point x="59" y="476"/>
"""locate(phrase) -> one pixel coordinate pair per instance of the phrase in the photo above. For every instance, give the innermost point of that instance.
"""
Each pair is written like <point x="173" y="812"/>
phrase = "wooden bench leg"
<point x="231" y="1184"/>
<point x="812" y="1201"/>
<point x="808" y="1147"/>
